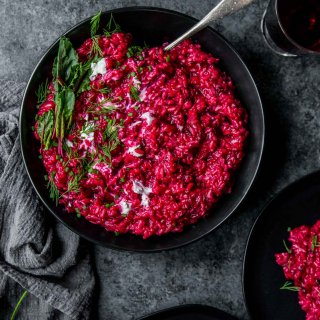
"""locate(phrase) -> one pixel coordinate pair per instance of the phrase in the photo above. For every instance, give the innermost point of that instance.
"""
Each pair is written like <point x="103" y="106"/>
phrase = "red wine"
<point x="300" y="20"/>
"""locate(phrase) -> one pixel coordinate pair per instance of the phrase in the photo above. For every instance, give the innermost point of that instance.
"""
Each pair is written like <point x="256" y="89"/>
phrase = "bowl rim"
<point x="249" y="184"/>
<point x="193" y="307"/>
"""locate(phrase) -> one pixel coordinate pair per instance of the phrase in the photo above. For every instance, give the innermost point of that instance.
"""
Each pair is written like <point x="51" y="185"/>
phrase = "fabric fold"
<point x="36" y="251"/>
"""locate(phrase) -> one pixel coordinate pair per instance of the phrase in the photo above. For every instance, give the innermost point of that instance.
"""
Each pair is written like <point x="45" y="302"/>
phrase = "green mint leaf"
<point x="68" y="99"/>
<point x="65" y="102"/>
<point x="84" y="85"/>
<point x="64" y="67"/>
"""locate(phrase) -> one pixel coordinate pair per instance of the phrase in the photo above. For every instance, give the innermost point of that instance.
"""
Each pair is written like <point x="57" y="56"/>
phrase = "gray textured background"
<point x="208" y="271"/>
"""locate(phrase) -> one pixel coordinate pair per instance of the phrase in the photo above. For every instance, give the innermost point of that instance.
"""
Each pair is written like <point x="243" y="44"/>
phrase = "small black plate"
<point x="298" y="204"/>
<point x="190" y="312"/>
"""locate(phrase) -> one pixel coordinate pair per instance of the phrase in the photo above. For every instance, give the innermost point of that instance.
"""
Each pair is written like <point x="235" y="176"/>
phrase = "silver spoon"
<point x="222" y="9"/>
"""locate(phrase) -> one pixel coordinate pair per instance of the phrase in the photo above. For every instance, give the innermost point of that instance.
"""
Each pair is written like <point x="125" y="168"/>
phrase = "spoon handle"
<point x="222" y="9"/>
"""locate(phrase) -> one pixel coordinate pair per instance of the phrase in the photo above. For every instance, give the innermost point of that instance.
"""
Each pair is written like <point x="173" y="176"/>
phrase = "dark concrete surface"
<point x="209" y="271"/>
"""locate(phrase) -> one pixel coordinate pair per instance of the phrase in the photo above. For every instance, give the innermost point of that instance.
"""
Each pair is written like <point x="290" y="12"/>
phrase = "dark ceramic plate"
<point x="189" y="312"/>
<point x="152" y="25"/>
<point x="296" y="205"/>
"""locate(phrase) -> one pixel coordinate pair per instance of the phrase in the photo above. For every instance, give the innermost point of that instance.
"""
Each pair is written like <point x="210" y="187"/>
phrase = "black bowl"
<point x="152" y="25"/>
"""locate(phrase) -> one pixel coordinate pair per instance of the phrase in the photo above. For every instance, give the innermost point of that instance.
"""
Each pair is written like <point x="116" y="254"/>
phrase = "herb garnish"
<point x="95" y="48"/>
<point x="66" y="71"/>
<point x="109" y="205"/>
<point x="17" y="307"/>
<point x="134" y="51"/>
<point x="70" y="78"/>
<point x="53" y="190"/>
<point x="103" y="110"/>
<point x="42" y="92"/>
<point x="134" y="93"/>
<point x="286" y="247"/>
<point x="105" y="90"/>
<point x="45" y="128"/>
<point x="65" y="68"/>
<point x="78" y="213"/>
<point x="110" y="134"/>
<point x="289" y="286"/>
<point x="94" y="24"/>
<point x="314" y="242"/>
<point x="73" y="184"/>
<point x="112" y="27"/>
<point x="65" y="102"/>
<point x="87" y="128"/>
<point x="84" y="81"/>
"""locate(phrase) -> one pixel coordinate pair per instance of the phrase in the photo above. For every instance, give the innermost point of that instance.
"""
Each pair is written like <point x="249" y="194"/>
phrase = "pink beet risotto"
<point x="153" y="141"/>
<point x="301" y="265"/>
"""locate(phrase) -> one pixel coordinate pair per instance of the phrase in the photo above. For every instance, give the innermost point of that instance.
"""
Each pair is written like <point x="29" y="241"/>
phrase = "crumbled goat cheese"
<point x="69" y="143"/>
<point x="98" y="68"/>
<point x="132" y="150"/>
<point x="142" y="95"/>
<point x="125" y="207"/>
<point x="149" y="118"/>
<point x="139" y="188"/>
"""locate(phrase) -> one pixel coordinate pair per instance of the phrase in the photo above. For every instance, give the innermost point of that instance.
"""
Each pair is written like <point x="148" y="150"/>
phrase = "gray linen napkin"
<point x="40" y="254"/>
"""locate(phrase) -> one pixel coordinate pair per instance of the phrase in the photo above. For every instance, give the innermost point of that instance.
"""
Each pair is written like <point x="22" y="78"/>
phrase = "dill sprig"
<point x="84" y="167"/>
<point x="42" y="92"/>
<point x="88" y="127"/>
<point x="73" y="184"/>
<point x="94" y="24"/>
<point x="53" y="190"/>
<point x="289" y="286"/>
<point x="112" y="27"/>
<point x="110" y="135"/>
<point x="134" y="51"/>
<point x="97" y="104"/>
<point x="314" y="242"/>
<point x="108" y="148"/>
<point x="111" y="131"/>
<point x="105" y="90"/>
<point x="95" y="47"/>
<point x="17" y="307"/>
<point x="67" y="149"/>
<point x="134" y="92"/>
<point x="286" y="247"/>
<point x="103" y="110"/>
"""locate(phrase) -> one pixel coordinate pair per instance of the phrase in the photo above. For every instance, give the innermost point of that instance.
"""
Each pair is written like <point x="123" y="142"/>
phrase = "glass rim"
<point x="306" y="50"/>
